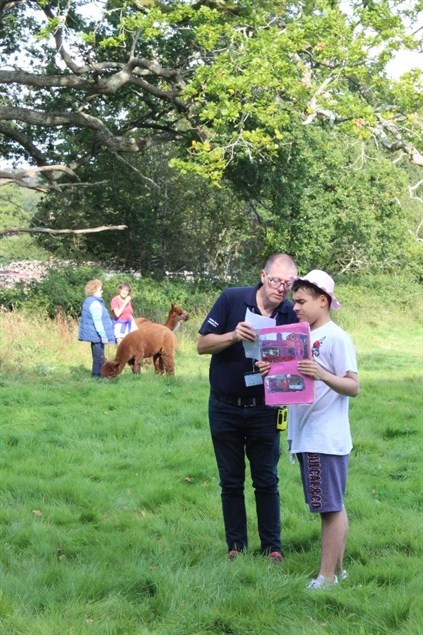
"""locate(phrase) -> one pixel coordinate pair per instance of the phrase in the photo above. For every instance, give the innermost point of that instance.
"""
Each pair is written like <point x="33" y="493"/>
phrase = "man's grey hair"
<point x="280" y="257"/>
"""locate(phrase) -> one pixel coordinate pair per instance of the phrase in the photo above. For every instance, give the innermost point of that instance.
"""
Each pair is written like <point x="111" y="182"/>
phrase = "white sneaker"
<point x="344" y="575"/>
<point x="321" y="583"/>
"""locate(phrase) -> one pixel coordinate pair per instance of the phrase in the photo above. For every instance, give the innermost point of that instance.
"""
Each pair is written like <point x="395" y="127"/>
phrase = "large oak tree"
<point x="284" y="99"/>
<point x="227" y="80"/>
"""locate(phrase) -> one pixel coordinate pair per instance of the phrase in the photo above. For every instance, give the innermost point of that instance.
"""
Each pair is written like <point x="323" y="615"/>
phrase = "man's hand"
<point x="244" y="332"/>
<point x="214" y="343"/>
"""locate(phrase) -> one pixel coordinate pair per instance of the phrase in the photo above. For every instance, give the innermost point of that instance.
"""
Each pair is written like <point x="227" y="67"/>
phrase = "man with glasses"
<point x="240" y="422"/>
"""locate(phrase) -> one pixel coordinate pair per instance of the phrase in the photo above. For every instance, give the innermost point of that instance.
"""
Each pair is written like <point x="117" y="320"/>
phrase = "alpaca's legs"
<point x="158" y="363"/>
<point x="136" y="366"/>
<point x="168" y="363"/>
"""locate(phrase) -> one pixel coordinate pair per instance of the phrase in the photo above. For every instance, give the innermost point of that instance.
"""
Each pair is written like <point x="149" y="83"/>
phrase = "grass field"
<point x="110" y="514"/>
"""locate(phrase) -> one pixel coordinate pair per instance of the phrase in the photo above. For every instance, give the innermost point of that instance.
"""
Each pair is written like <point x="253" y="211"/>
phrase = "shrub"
<point x="61" y="293"/>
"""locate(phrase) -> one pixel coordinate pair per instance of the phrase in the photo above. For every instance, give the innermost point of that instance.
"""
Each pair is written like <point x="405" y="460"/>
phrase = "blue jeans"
<point x="238" y="432"/>
<point x="97" y="350"/>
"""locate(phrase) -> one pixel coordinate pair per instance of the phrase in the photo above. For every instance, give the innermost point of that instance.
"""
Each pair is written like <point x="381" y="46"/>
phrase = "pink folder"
<point x="283" y="346"/>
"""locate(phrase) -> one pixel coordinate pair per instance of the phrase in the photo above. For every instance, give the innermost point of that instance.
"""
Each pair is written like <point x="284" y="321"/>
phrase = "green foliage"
<point x="329" y="204"/>
<point x="175" y="222"/>
<point x="17" y="207"/>
<point x="21" y="247"/>
<point x="332" y="205"/>
<point x="61" y="292"/>
<point x="227" y="80"/>
<point x="15" y="297"/>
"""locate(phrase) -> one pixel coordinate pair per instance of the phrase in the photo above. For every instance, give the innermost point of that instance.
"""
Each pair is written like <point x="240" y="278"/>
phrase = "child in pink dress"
<point x="122" y="312"/>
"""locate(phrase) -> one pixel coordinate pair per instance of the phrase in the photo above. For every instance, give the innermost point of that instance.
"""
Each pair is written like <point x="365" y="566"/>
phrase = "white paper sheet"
<point x="252" y="349"/>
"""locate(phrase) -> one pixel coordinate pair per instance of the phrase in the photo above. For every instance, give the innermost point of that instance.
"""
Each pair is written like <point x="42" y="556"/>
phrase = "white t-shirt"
<point x="323" y="426"/>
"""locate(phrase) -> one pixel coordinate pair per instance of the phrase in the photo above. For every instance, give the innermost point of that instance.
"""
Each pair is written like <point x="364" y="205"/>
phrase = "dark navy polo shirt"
<point x="227" y="368"/>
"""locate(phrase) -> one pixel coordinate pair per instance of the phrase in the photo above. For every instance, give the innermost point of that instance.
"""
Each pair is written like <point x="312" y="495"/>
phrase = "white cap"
<point x="323" y="281"/>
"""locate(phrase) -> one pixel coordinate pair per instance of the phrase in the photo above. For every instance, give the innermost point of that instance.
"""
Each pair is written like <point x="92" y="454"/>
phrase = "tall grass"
<point x="110" y="518"/>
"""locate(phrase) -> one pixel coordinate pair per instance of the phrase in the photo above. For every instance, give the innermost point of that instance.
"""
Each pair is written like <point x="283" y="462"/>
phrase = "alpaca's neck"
<point x="172" y="322"/>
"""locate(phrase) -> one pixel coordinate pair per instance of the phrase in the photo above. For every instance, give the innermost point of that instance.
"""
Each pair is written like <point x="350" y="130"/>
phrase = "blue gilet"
<point x="87" y="330"/>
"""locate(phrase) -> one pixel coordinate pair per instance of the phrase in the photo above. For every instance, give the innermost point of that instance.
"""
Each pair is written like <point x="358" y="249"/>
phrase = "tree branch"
<point x="25" y="178"/>
<point x="49" y="230"/>
<point x="389" y="135"/>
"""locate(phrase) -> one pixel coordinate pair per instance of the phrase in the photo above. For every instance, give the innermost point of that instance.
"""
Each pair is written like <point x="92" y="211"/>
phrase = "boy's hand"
<point x="347" y="385"/>
<point x="263" y="367"/>
<point x="310" y="368"/>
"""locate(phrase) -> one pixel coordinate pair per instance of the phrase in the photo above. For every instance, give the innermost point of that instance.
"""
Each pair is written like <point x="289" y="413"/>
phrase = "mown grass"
<point x="110" y="518"/>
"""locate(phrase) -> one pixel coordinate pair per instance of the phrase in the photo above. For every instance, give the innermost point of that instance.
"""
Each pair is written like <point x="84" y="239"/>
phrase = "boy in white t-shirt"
<point x="319" y="433"/>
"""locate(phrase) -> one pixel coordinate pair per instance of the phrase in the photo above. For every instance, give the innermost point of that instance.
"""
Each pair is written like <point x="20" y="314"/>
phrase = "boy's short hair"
<point x="312" y="288"/>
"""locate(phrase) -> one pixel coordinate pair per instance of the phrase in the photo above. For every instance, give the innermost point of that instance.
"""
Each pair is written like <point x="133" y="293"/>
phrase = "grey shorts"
<point x="324" y="478"/>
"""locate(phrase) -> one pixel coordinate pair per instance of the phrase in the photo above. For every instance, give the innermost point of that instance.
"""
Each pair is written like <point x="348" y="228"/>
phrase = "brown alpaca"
<point x="150" y="340"/>
<point x="176" y="316"/>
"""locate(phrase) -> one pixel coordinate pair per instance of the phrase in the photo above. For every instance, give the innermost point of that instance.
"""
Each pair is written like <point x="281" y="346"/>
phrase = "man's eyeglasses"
<point x="275" y="283"/>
